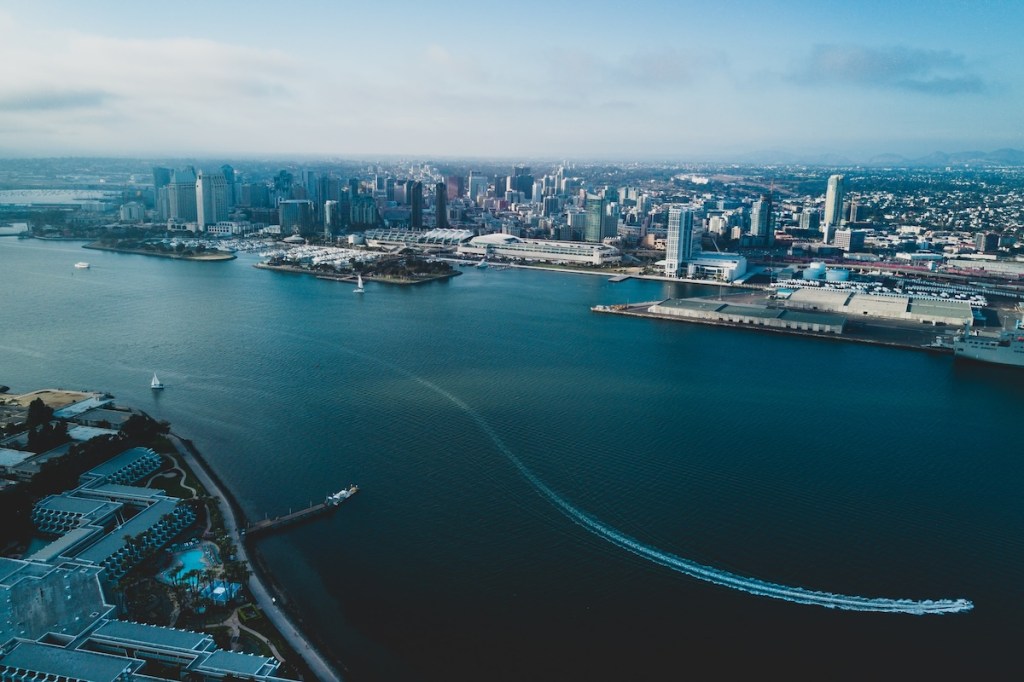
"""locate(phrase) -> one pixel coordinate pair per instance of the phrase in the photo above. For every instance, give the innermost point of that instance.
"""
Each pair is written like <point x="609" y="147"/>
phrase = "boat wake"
<point x="754" y="586"/>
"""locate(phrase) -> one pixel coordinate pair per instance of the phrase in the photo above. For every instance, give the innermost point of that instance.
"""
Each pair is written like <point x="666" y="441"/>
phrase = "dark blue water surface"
<point x="836" y="467"/>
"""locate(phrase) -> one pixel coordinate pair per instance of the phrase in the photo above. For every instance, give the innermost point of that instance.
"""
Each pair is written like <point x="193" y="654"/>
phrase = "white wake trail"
<point x="762" y="588"/>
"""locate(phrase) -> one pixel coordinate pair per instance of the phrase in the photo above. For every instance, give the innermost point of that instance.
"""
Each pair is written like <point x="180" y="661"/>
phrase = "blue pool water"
<point x="192" y="560"/>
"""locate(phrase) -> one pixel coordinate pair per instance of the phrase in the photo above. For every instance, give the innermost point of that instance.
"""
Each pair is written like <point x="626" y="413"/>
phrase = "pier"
<point x="330" y="504"/>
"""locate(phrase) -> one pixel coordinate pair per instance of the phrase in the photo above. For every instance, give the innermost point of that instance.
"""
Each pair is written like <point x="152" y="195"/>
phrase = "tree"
<point x="38" y="413"/>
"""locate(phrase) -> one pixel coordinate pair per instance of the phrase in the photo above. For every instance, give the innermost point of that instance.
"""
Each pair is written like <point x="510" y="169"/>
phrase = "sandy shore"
<point x="259" y="582"/>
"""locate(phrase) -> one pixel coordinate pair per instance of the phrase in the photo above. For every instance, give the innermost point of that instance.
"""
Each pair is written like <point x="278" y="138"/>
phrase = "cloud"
<point x="53" y="99"/>
<point x="934" y="72"/>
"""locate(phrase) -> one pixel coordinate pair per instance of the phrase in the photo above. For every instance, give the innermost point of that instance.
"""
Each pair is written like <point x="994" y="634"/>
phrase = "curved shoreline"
<point x="261" y="583"/>
<point x="213" y="257"/>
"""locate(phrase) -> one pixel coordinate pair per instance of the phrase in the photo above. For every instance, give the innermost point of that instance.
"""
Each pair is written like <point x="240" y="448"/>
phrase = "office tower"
<point x="441" y="205"/>
<point x="521" y="181"/>
<point x="161" y="178"/>
<point x="211" y="199"/>
<point x="809" y="220"/>
<point x="415" y="191"/>
<point x="682" y="240"/>
<point x="593" y="222"/>
<point x="331" y="217"/>
<point x="456" y="185"/>
<point x="181" y="196"/>
<point x="834" y="200"/>
<point x="295" y="216"/>
<point x="364" y="212"/>
<point x="229" y="178"/>
<point x="389" y="189"/>
<point x="477" y="185"/>
<point x="759" y="218"/>
<point x="353" y="187"/>
<point x="850" y="240"/>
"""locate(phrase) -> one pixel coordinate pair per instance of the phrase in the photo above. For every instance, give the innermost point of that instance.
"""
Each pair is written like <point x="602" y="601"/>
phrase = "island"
<point x="178" y="251"/>
<point x="135" y="549"/>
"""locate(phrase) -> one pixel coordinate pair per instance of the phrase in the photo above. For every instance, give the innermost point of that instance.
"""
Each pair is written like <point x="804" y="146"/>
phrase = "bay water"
<point x="830" y="466"/>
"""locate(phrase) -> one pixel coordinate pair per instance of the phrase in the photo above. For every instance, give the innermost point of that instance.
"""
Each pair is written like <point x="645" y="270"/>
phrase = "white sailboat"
<point x="156" y="383"/>
<point x="482" y="263"/>
<point x="359" y="284"/>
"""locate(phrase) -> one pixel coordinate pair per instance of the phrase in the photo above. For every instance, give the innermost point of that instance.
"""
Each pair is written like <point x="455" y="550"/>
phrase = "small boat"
<point x="359" y="285"/>
<point x="156" y="383"/>
<point x="340" y="496"/>
<point x="482" y="263"/>
<point x="82" y="265"/>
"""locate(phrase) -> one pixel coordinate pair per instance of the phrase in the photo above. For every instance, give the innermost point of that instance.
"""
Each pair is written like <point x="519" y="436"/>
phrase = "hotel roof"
<point x="69" y="663"/>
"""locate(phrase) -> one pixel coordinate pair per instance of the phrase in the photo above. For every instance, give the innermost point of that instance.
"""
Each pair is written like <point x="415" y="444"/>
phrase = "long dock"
<point x="328" y="505"/>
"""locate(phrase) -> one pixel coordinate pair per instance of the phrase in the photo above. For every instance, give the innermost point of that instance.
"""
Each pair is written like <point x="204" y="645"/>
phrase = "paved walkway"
<point x="261" y="595"/>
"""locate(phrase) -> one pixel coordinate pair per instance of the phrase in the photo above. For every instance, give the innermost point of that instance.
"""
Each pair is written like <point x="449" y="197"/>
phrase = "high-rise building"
<point x="332" y="220"/>
<point x="364" y="212"/>
<point x="161" y="178"/>
<point x="834" y="199"/>
<point x="295" y="216"/>
<point x="761" y="219"/>
<point x="682" y="240"/>
<point x="441" y="205"/>
<point x="850" y="240"/>
<point x="809" y="220"/>
<point x="415" y="198"/>
<point x="594" y="220"/>
<point x="477" y="185"/>
<point x="211" y="199"/>
<point x="181" y="196"/>
<point x="229" y="178"/>
<point x="456" y="185"/>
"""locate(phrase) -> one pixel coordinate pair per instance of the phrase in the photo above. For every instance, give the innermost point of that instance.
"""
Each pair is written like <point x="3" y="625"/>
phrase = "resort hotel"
<point x="57" y="605"/>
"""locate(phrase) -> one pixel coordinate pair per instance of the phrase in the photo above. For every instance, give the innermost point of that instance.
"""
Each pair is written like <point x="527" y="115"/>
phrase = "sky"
<point x="637" y="79"/>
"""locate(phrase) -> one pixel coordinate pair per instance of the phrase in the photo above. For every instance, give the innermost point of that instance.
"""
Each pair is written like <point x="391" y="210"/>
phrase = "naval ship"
<point x="1003" y="348"/>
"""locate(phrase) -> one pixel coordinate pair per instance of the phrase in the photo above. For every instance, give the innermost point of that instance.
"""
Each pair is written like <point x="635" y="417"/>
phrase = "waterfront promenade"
<point x="260" y="593"/>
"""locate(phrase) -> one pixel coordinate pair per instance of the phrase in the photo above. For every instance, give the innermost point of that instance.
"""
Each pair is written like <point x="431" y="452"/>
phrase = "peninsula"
<point x="156" y="542"/>
<point x="148" y="249"/>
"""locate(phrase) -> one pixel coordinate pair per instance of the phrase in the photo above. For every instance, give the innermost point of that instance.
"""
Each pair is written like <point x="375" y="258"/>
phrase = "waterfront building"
<point x="834" y="200"/>
<point x="389" y="238"/>
<point x="132" y="212"/>
<point x="295" y="216"/>
<point x="509" y="246"/>
<point x="601" y="218"/>
<point x="181" y="196"/>
<point x="211" y="199"/>
<point x="682" y="240"/>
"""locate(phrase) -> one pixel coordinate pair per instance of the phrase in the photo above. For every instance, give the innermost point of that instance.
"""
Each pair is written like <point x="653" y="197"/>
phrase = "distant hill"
<point x="999" y="157"/>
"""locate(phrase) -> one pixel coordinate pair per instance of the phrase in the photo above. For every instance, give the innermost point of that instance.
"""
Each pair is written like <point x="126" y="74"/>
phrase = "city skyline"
<point x="652" y="80"/>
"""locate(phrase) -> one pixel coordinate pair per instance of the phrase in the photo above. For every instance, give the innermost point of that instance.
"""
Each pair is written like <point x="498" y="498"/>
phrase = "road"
<point x="261" y="595"/>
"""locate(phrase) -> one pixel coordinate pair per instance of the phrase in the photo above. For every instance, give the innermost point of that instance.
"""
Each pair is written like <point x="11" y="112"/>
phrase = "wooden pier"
<point x="329" y="505"/>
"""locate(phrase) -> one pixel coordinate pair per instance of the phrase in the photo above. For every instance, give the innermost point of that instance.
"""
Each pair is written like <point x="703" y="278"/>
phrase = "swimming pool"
<point x="197" y="559"/>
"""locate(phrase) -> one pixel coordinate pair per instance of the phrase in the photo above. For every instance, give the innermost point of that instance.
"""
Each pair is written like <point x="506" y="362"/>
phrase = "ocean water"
<point x="476" y="413"/>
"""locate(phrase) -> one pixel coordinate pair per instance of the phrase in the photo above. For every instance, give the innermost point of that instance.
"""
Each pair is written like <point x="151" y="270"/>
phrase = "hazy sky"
<point x="627" y="79"/>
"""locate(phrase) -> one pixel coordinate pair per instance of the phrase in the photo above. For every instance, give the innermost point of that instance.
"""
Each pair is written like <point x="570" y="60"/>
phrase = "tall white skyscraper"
<point x="211" y="198"/>
<point x="834" y="200"/>
<point x="682" y="240"/>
